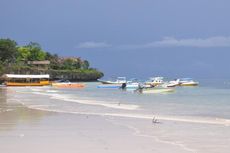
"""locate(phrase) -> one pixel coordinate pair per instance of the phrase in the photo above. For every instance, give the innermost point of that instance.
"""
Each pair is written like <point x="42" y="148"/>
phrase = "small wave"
<point x="6" y="110"/>
<point x="115" y="105"/>
<point x="211" y="121"/>
<point x="44" y="91"/>
<point x="197" y="120"/>
<point x="52" y="91"/>
<point x="36" y="89"/>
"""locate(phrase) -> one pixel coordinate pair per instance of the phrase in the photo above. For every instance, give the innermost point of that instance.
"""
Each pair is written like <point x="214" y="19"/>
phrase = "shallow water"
<point x="189" y="117"/>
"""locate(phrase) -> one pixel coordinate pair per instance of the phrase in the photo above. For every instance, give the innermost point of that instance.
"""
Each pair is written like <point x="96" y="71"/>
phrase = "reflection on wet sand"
<point x="12" y="113"/>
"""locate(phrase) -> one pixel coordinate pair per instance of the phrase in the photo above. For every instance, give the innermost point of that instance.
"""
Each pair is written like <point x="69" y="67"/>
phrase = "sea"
<point x="208" y="100"/>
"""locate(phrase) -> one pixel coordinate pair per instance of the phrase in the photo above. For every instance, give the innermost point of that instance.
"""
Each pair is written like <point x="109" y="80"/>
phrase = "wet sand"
<point x="28" y="130"/>
<point x="60" y="133"/>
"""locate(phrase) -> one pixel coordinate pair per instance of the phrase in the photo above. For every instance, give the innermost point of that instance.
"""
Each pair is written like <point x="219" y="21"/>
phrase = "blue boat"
<point x="110" y="86"/>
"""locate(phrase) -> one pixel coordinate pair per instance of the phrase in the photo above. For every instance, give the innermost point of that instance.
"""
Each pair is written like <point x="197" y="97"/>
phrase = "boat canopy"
<point x="22" y="76"/>
<point x="156" y="78"/>
<point x="121" y="78"/>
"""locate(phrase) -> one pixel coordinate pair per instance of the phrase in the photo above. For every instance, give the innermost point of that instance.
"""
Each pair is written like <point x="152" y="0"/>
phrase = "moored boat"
<point x="171" y="84"/>
<point x="119" y="80"/>
<point x="187" y="82"/>
<point x="133" y="84"/>
<point x="67" y="84"/>
<point x="155" y="81"/>
<point x="26" y="80"/>
<point x="156" y="90"/>
<point x="110" y="86"/>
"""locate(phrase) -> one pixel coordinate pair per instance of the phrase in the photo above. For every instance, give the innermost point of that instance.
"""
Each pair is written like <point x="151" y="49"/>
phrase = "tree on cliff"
<point x="8" y="51"/>
<point x="31" y="52"/>
<point x="23" y="54"/>
<point x="13" y="59"/>
<point x="36" y="52"/>
<point x="54" y="60"/>
<point x="71" y="63"/>
<point x="85" y="64"/>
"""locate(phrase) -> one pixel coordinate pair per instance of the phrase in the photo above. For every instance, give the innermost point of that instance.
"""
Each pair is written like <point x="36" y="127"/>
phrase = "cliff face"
<point x="72" y="75"/>
<point x="76" y="75"/>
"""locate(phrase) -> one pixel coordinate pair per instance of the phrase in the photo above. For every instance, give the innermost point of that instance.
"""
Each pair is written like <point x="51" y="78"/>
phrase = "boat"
<point x="187" y="82"/>
<point x="67" y="84"/>
<point x="119" y="80"/>
<point x="132" y="84"/>
<point x="173" y="83"/>
<point x="156" y="90"/>
<point x="26" y="80"/>
<point x="110" y="86"/>
<point x="155" y="81"/>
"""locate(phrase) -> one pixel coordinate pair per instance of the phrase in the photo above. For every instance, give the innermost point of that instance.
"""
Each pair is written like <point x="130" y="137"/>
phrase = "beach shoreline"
<point x="30" y="126"/>
<point x="42" y="131"/>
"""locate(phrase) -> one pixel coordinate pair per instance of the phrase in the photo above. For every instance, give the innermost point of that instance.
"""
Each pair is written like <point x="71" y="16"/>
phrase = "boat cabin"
<point x="26" y="80"/>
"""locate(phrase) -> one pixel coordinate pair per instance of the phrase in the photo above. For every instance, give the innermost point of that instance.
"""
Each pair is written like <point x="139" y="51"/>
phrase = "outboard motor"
<point x="123" y="86"/>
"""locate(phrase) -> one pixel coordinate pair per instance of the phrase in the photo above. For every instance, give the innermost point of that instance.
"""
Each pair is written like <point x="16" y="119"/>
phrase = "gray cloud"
<point x="210" y="42"/>
<point x="191" y="42"/>
<point x="92" y="44"/>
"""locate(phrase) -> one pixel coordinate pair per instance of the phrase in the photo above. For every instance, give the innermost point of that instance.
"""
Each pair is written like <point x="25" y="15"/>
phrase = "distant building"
<point x="38" y="62"/>
<point x="41" y="64"/>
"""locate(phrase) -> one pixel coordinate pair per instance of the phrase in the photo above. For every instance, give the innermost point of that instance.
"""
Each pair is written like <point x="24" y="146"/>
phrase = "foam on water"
<point x="52" y="91"/>
<point x="195" y="120"/>
<point x="68" y="98"/>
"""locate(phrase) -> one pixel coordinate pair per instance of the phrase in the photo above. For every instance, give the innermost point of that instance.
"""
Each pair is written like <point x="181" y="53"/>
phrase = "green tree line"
<point x="15" y="57"/>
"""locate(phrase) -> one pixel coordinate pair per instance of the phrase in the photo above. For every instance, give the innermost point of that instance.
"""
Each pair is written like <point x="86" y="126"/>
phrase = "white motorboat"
<point x="173" y="83"/>
<point x="155" y="81"/>
<point x="132" y="84"/>
<point x="187" y="82"/>
<point x="119" y="80"/>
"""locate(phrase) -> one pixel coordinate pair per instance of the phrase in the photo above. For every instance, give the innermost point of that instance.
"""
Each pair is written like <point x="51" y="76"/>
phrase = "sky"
<point x="133" y="38"/>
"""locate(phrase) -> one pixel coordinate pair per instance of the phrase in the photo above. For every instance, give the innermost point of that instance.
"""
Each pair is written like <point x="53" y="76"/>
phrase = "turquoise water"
<point x="202" y="101"/>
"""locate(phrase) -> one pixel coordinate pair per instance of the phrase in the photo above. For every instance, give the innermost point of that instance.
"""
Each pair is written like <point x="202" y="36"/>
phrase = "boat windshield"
<point x="186" y="79"/>
<point x="121" y="78"/>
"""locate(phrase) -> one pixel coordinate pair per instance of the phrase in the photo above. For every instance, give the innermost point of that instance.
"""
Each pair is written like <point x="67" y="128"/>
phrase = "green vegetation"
<point x="8" y="51"/>
<point x="31" y="52"/>
<point x="16" y="59"/>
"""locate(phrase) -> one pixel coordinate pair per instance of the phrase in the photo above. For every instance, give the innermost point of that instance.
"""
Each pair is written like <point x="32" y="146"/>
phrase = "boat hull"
<point x="156" y="91"/>
<point x="41" y="83"/>
<point x="189" y="84"/>
<point x="110" y="86"/>
<point x="68" y="85"/>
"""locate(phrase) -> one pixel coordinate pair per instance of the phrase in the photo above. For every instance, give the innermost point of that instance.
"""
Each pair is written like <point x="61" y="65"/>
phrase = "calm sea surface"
<point x="209" y="100"/>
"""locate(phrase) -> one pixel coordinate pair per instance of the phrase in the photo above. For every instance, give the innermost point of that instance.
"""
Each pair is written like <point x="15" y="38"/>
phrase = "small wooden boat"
<point x="67" y="84"/>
